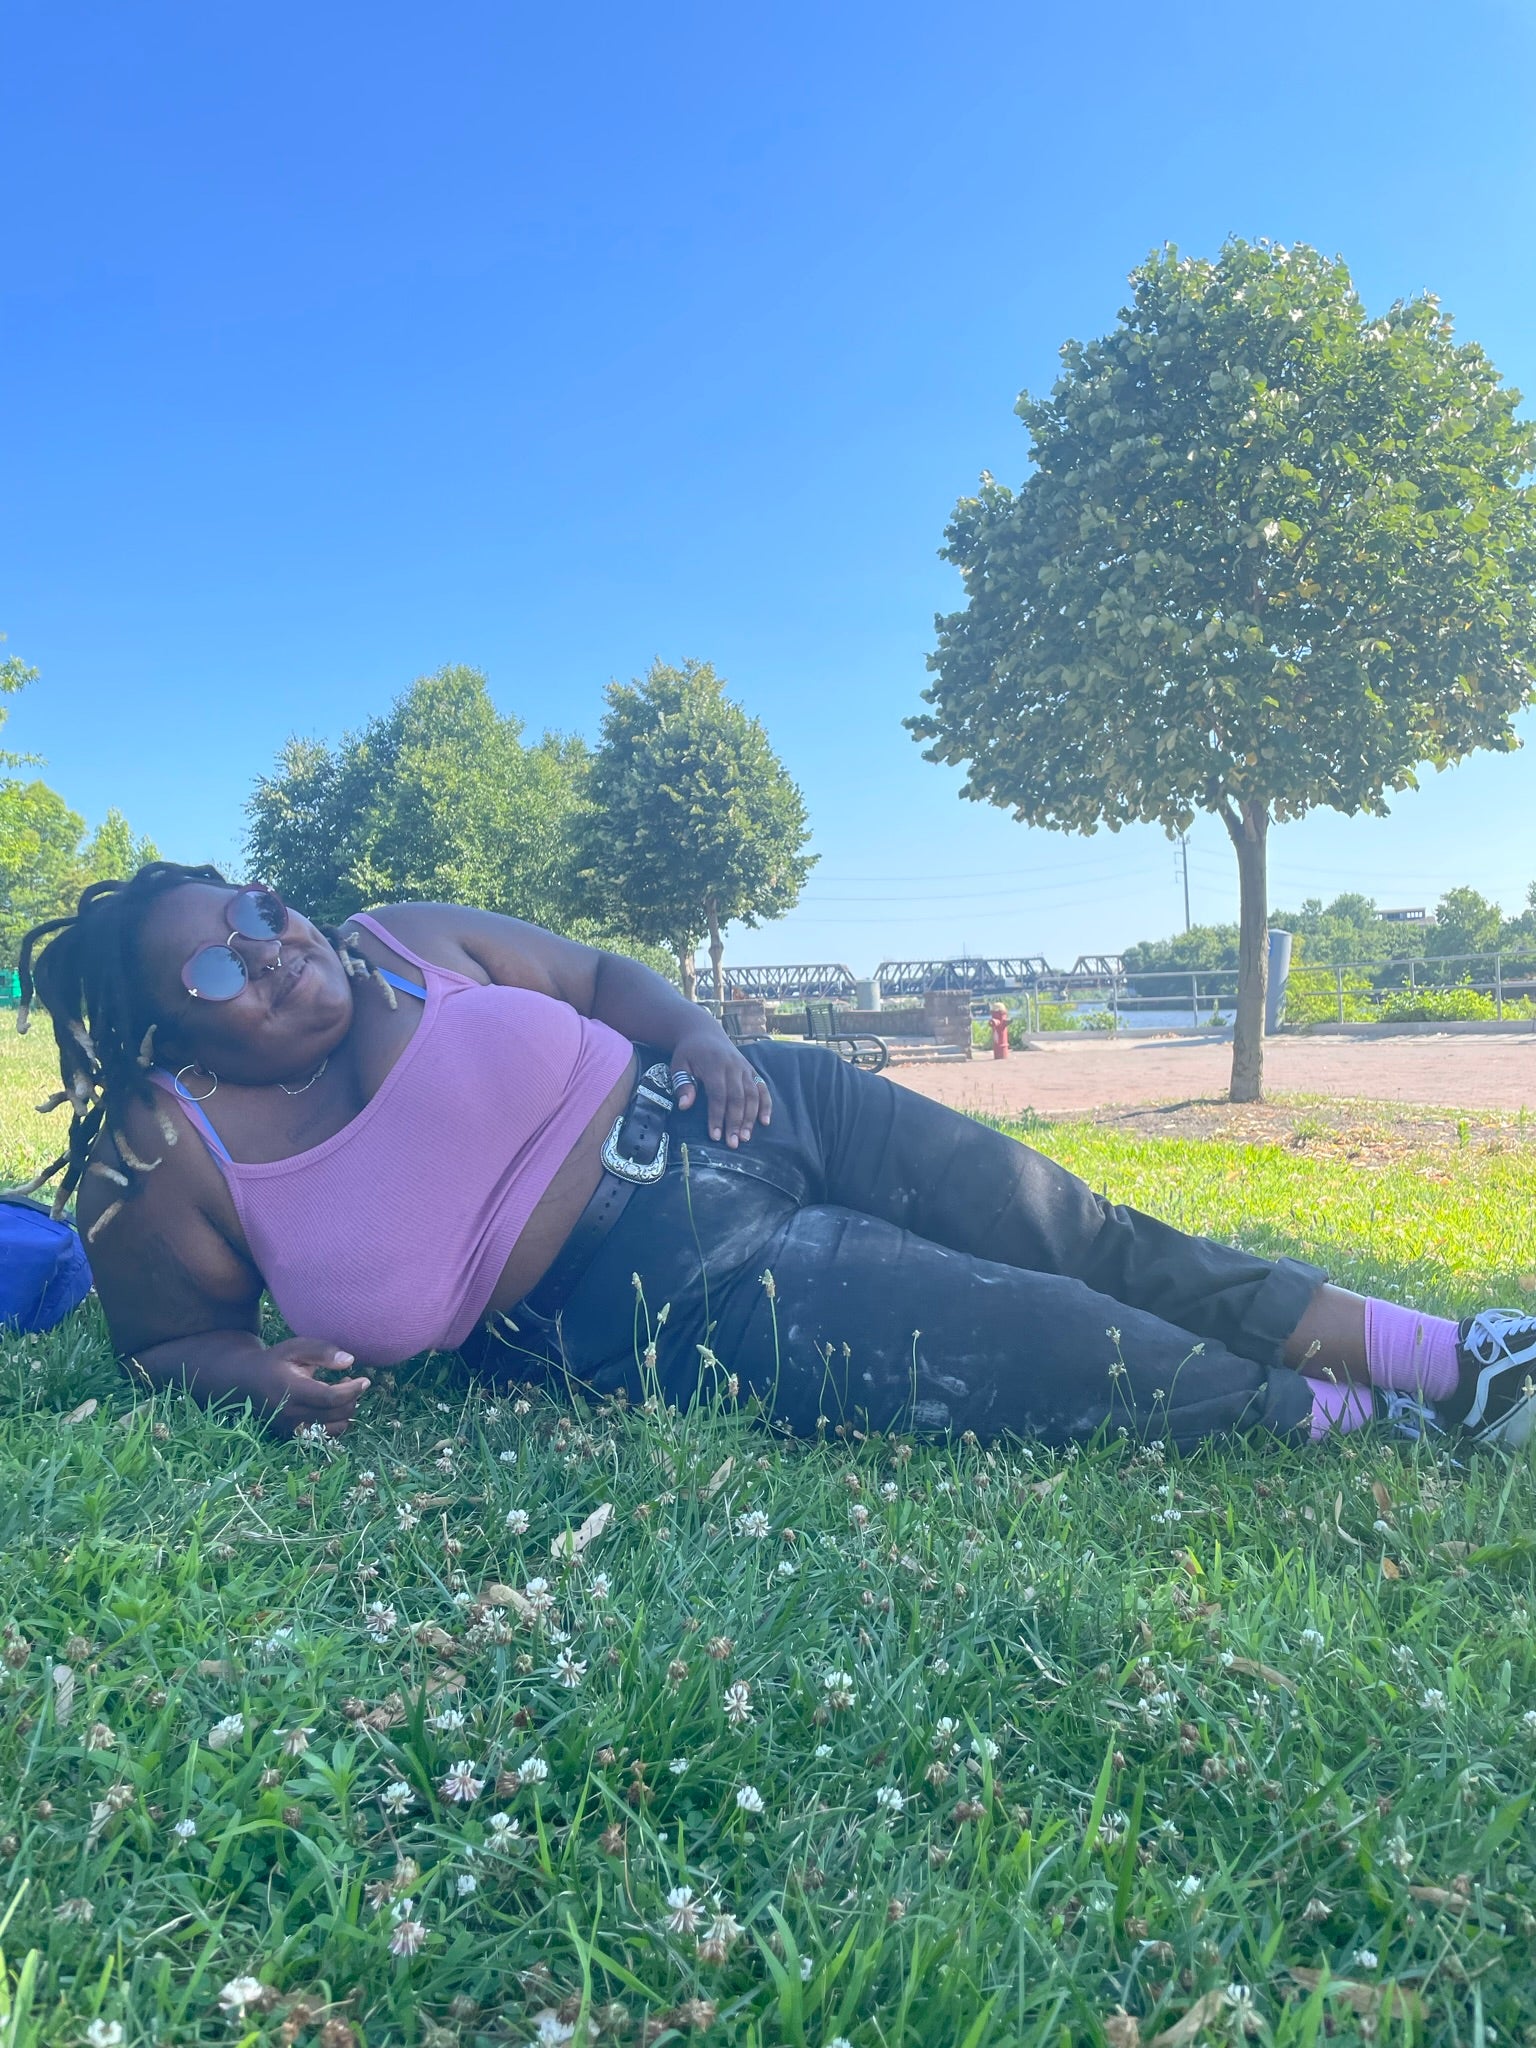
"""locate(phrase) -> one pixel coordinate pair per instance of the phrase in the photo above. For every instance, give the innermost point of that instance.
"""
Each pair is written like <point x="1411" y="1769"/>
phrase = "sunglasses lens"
<point x="258" y="914"/>
<point x="215" y="973"/>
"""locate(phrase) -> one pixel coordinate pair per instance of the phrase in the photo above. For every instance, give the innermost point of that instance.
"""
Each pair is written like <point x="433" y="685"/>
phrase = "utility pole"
<point x="1183" y="839"/>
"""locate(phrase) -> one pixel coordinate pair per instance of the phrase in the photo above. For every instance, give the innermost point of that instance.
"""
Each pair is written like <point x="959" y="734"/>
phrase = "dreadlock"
<point x="88" y="979"/>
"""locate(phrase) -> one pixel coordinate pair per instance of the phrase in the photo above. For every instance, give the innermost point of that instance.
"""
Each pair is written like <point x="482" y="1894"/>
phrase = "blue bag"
<point x="44" y="1272"/>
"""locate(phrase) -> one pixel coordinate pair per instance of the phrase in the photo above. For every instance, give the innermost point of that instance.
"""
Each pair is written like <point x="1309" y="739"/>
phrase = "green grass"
<point x="1255" y="1714"/>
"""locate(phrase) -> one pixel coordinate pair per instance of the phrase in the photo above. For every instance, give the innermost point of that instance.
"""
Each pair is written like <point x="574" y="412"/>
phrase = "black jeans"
<point x="875" y="1259"/>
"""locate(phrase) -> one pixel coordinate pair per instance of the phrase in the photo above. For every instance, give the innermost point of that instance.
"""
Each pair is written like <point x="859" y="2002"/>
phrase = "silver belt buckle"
<point x="640" y="1171"/>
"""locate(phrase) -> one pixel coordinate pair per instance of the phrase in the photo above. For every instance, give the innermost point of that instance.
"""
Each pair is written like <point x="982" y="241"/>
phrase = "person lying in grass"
<point x="439" y="1129"/>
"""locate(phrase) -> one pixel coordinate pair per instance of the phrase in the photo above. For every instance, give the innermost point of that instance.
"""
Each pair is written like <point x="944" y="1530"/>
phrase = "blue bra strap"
<point x="195" y="1112"/>
<point x="410" y="988"/>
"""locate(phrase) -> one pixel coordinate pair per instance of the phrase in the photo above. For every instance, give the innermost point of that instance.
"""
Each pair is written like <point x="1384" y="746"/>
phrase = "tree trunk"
<point x="685" y="971"/>
<point x="716" y="952"/>
<point x="1249" y="830"/>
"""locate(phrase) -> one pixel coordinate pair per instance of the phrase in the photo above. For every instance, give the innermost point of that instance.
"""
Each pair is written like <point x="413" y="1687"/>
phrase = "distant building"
<point x="1405" y="917"/>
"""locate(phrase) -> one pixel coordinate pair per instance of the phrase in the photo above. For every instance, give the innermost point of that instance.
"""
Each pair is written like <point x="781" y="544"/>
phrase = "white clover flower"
<point x="890" y="1798"/>
<point x="104" y="2034"/>
<point x="754" y="1524"/>
<point x="738" y="1703"/>
<point x="1312" y="1639"/>
<point x="787" y="1568"/>
<point x="447" y="1721"/>
<point x="517" y="1521"/>
<point x="240" y="1992"/>
<point x="533" y="1770"/>
<point x="397" y="1796"/>
<point x="465" y="1884"/>
<point x="890" y="1490"/>
<point x="406" y="1937"/>
<point x="822" y="1751"/>
<point x="379" y="1621"/>
<point x="184" y="1829"/>
<point x="296" y="1741"/>
<point x="1365" y="1959"/>
<point x="550" y="2031"/>
<point x="749" y="1799"/>
<point x="678" y="1765"/>
<point x="983" y="1745"/>
<point x="506" y="1457"/>
<point x="1528" y="1721"/>
<point x="569" y="1670"/>
<point x="720" y="1937"/>
<point x="224" y="1732"/>
<point x="839" y="1691"/>
<point x="807" y="1967"/>
<point x="1191" y="1886"/>
<point x="460" y="1784"/>
<point x="406" y="1517"/>
<point x="1404" y="1655"/>
<point x="600" y="1587"/>
<point x="684" y="1911"/>
<point x="1433" y="1701"/>
<point x="839" y="2041"/>
<point x="940" y="1667"/>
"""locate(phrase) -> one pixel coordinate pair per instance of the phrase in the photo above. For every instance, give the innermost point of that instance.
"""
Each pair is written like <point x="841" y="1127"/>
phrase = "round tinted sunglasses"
<point x="217" y="974"/>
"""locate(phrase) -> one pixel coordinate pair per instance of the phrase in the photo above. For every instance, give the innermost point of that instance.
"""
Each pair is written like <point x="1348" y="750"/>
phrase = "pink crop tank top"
<point x="389" y="1238"/>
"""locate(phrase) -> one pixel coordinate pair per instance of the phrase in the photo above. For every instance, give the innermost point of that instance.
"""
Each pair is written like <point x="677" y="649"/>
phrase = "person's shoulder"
<point x="431" y="933"/>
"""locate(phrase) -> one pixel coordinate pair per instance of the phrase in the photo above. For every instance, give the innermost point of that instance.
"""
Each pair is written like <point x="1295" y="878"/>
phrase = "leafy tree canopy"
<point x="438" y="799"/>
<point x="694" y="821"/>
<point x="1274" y="553"/>
<point x="1465" y="922"/>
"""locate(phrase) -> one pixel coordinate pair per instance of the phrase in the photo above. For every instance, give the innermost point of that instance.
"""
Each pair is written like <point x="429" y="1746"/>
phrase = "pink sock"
<point x="1338" y="1408"/>
<point x="1410" y="1353"/>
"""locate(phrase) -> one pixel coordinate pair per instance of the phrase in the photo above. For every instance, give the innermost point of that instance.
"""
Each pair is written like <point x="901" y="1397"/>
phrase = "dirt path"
<point x="1112" y="1080"/>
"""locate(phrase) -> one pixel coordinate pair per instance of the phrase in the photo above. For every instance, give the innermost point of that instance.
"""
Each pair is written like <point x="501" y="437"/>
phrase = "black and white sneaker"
<point x="1495" y="1402"/>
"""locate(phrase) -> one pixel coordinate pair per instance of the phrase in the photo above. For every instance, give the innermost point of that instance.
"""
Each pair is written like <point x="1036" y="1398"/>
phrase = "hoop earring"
<point x="192" y="1067"/>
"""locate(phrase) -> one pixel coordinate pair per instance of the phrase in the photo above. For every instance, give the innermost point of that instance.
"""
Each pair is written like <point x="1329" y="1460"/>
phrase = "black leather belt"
<point x="634" y="1156"/>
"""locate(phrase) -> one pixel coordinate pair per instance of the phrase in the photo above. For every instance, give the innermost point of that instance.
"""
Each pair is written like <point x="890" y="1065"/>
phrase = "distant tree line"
<point x="1348" y="930"/>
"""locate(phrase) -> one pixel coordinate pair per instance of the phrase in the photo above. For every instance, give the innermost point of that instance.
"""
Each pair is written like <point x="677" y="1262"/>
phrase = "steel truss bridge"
<point x="970" y="975"/>
<point x="782" y="984"/>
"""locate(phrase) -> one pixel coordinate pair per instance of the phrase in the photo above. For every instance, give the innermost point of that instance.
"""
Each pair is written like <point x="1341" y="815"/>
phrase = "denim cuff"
<point x="1277" y="1307"/>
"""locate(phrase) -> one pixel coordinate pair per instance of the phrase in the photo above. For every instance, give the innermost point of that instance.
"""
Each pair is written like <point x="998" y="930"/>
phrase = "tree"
<point x="438" y="798"/>
<point x="45" y="857"/>
<point x="694" y="820"/>
<point x="1274" y="554"/>
<point x="1465" y="922"/>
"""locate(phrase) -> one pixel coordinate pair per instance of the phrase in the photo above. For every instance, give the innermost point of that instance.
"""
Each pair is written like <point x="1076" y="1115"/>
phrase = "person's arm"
<point x="183" y="1303"/>
<point x="615" y="990"/>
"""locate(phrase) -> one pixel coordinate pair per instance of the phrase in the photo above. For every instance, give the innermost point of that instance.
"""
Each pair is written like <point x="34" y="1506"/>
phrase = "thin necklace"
<point x="314" y="1077"/>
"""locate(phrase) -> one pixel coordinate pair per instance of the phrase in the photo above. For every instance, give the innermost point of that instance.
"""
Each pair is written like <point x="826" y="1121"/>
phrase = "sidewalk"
<point x="1062" y="1079"/>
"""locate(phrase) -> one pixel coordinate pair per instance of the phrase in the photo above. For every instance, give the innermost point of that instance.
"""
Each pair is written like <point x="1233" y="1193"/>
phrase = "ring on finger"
<point x="681" y="1078"/>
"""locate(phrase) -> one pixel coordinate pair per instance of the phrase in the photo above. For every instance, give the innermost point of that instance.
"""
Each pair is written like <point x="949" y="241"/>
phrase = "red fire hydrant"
<point x="999" y="1032"/>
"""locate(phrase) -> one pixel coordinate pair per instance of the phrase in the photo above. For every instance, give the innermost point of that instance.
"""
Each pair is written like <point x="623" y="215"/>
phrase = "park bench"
<point x="858" y="1048"/>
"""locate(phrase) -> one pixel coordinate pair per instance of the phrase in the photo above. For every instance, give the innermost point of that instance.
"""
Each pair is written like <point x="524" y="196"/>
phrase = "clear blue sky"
<point x="344" y="341"/>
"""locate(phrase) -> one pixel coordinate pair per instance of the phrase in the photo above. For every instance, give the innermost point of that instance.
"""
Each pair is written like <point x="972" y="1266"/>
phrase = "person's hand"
<point x="287" y="1383"/>
<point x="736" y="1094"/>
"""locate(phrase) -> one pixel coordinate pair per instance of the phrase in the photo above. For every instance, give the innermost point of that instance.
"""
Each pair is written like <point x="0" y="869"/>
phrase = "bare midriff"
<point x="562" y="1202"/>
